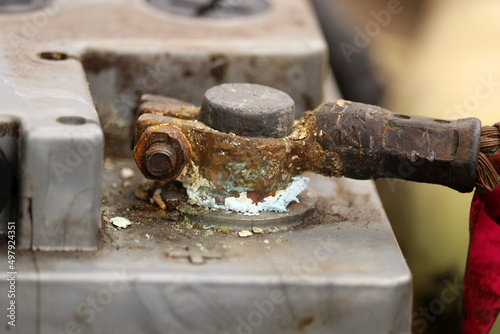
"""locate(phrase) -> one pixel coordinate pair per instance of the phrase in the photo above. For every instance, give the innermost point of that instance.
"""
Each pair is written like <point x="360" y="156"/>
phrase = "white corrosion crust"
<point x="200" y="195"/>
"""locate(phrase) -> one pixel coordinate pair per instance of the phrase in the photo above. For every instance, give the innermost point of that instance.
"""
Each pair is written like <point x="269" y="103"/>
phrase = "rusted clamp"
<point x="228" y="164"/>
<point x="224" y="164"/>
<point x="338" y="138"/>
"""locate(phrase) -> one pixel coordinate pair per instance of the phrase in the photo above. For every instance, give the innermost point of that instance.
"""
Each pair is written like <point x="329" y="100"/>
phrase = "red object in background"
<point x="482" y="274"/>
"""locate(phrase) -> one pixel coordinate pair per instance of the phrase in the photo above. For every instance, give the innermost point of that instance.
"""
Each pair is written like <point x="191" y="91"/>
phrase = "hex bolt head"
<point x="248" y="110"/>
<point x="160" y="159"/>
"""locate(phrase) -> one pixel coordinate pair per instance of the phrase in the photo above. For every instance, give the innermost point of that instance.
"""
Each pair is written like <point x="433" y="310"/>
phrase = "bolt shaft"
<point x="160" y="159"/>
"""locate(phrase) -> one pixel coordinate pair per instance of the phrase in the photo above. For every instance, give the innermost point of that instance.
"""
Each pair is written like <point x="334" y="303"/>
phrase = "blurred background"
<point x="428" y="58"/>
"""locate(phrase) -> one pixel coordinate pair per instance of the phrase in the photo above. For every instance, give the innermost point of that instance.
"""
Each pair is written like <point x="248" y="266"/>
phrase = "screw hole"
<point x="53" y="55"/>
<point x="71" y="120"/>
<point x="442" y="121"/>
<point x="401" y="116"/>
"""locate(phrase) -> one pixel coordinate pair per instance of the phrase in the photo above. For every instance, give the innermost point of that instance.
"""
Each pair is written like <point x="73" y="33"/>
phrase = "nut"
<point x="162" y="152"/>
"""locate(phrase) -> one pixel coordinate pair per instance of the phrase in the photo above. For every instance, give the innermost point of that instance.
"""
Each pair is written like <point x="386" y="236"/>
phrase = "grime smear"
<point x="245" y="205"/>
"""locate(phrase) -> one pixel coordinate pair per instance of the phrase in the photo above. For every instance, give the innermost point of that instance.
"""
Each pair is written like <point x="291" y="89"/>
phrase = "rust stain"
<point x="306" y="321"/>
<point x="220" y="65"/>
<point x="11" y="129"/>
